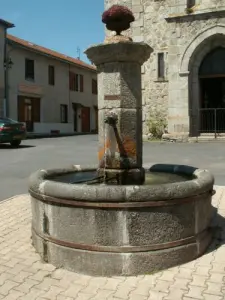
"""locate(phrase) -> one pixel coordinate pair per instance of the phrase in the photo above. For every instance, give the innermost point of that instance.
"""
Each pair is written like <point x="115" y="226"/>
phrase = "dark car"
<point x="12" y="132"/>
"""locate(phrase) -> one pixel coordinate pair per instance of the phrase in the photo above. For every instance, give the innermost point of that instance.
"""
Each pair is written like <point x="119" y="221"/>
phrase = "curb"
<point x="49" y="135"/>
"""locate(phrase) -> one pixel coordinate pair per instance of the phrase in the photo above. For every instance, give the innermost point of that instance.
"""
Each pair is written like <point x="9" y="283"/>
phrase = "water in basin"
<point x="90" y="176"/>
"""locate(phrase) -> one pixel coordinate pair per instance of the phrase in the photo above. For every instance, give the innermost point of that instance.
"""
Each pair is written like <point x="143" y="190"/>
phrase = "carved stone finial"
<point x="118" y="18"/>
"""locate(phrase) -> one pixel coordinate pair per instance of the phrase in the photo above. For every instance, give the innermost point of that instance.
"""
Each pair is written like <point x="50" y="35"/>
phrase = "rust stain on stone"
<point x="129" y="149"/>
<point x="102" y="150"/>
<point x="112" y="97"/>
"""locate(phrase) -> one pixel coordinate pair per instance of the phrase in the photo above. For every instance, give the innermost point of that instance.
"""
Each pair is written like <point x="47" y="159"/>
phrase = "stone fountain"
<point x="118" y="218"/>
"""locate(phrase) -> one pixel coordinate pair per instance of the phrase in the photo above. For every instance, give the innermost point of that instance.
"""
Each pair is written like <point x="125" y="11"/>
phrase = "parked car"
<point x="12" y="132"/>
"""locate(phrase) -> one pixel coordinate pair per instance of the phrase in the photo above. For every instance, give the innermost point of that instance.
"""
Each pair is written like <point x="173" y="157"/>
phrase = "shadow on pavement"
<point x="9" y="147"/>
<point x="218" y="231"/>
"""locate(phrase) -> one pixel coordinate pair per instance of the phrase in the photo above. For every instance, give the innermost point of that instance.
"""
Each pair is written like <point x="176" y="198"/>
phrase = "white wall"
<point x="48" y="127"/>
<point x="51" y="96"/>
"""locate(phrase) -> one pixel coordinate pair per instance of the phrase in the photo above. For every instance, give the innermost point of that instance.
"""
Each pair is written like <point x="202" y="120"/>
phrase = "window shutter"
<point x="81" y="83"/>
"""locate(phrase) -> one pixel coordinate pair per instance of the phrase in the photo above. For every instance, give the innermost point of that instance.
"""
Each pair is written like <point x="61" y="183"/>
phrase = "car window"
<point x="7" y="121"/>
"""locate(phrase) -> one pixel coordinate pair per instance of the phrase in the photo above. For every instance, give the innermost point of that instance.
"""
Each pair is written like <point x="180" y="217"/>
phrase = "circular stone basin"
<point x="111" y="230"/>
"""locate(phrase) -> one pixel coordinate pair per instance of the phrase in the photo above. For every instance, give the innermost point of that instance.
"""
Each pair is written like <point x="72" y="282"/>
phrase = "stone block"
<point x="137" y="8"/>
<point x="138" y="38"/>
<point x="136" y="2"/>
<point x="120" y="86"/>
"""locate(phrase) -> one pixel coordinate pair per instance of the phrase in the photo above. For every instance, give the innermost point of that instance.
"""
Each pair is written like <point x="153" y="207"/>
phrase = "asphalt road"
<point x="17" y="164"/>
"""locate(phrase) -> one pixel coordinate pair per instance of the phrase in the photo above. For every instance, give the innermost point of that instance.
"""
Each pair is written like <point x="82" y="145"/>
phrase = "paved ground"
<point x="23" y="276"/>
<point x="17" y="164"/>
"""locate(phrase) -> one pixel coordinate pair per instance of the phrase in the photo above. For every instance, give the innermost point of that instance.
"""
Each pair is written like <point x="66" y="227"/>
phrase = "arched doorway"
<point x="204" y="43"/>
<point x="212" y="92"/>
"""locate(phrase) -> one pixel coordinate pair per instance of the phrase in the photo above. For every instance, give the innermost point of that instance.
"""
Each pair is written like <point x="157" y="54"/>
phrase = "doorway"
<point x="212" y="92"/>
<point x="74" y="105"/>
<point x="212" y="112"/>
<point x="28" y="111"/>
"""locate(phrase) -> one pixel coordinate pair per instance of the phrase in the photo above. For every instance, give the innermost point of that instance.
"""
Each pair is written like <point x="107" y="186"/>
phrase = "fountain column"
<point x="118" y="65"/>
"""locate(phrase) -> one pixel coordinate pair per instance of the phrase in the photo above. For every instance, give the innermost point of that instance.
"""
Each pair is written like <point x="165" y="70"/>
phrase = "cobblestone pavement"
<point x="23" y="276"/>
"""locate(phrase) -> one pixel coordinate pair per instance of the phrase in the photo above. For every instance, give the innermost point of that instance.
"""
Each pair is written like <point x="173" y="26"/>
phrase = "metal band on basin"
<point x="127" y="205"/>
<point x="123" y="249"/>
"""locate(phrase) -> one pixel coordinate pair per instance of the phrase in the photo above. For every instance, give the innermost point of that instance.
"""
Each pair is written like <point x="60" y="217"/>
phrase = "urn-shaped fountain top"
<point x="118" y="48"/>
<point x="118" y="18"/>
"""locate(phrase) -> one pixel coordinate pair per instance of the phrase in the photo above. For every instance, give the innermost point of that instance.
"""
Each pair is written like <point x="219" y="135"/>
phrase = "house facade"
<point x="184" y="80"/>
<point x="49" y="91"/>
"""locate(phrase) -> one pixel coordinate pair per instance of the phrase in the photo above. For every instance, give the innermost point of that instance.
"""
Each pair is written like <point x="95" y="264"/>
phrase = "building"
<point x="49" y="91"/>
<point x="185" y="77"/>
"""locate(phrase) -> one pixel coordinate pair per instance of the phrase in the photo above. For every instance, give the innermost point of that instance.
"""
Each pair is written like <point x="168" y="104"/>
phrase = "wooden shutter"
<point x="81" y="83"/>
<point x="76" y="78"/>
<point x="70" y="80"/>
<point x="94" y="87"/>
<point x="51" y="75"/>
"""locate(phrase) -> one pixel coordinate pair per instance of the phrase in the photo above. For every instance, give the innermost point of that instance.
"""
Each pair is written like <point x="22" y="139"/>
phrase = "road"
<point x="17" y="164"/>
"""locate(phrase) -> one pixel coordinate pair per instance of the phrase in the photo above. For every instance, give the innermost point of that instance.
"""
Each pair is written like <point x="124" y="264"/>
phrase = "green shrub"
<point x="157" y="124"/>
<point x="189" y="10"/>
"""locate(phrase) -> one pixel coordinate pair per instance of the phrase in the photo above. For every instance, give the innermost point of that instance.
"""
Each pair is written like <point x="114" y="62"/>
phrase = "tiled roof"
<point x="48" y="52"/>
<point x="6" y="24"/>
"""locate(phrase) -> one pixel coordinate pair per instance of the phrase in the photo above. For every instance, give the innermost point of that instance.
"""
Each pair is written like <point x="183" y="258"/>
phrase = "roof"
<point x="6" y="24"/>
<point x="45" y="51"/>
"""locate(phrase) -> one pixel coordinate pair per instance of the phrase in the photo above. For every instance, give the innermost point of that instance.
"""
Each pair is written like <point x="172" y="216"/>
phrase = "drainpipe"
<point x="70" y="108"/>
<point x="6" y="104"/>
<point x="7" y="65"/>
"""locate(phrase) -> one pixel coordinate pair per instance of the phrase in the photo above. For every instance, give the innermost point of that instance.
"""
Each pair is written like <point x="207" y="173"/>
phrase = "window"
<point x="64" y="113"/>
<point x="29" y="69"/>
<point x="81" y="83"/>
<point x="190" y="3"/>
<point x="161" y="66"/>
<point x="94" y="87"/>
<point x="51" y="75"/>
<point x="76" y="82"/>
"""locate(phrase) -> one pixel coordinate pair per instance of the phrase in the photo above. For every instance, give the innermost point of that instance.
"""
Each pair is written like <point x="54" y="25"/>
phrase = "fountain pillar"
<point x="120" y="108"/>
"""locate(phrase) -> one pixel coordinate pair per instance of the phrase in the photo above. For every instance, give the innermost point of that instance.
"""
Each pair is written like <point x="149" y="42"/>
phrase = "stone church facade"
<point x="187" y="65"/>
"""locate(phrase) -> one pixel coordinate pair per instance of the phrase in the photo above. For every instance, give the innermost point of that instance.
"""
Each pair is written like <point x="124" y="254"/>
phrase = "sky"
<point x="61" y="25"/>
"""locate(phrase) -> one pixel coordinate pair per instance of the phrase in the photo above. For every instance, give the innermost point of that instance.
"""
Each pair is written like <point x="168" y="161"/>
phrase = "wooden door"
<point x="74" y="105"/>
<point x="85" y="119"/>
<point x="28" y="111"/>
<point x="20" y="109"/>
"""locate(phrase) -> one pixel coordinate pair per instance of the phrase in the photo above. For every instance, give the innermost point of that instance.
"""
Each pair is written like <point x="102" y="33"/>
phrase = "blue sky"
<point x="62" y="26"/>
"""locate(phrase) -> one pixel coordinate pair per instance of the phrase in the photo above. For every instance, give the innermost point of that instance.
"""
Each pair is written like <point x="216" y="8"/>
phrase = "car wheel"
<point x="15" y="143"/>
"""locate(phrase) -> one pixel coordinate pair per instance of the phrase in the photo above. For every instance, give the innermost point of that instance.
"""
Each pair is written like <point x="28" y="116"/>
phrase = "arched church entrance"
<point x="212" y="92"/>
